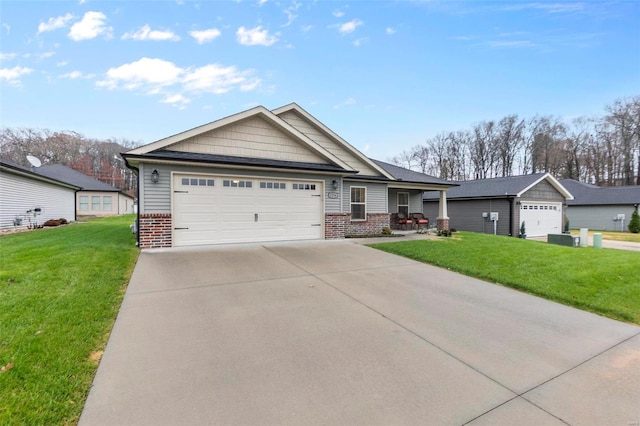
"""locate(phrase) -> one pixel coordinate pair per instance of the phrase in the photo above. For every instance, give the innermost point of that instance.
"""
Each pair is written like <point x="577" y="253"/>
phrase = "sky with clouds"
<point x="385" y="75"/>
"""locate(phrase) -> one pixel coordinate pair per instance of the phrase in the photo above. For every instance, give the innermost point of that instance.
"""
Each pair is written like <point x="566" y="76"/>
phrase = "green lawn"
<point x="612" y="235"/>
<point x="603" y="281"/>
<point x="60" y="291"/>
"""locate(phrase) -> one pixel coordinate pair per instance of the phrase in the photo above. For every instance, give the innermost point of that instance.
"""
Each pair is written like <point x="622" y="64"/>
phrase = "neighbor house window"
<point x="106" y="203"/>
<point x="358" y="203"/>
<point x="95" y="202"/>
<point x="84" y="203"/>
<point x="403" y="203"/>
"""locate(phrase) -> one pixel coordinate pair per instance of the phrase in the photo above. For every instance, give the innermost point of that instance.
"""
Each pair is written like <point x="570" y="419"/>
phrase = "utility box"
<point x="563" y="240"/>
<point x="493" y="216"/>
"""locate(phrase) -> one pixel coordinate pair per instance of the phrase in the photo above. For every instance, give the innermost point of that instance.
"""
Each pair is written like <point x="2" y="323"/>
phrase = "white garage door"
<point x="211" y="209"/>
<point x="541" y="218"/>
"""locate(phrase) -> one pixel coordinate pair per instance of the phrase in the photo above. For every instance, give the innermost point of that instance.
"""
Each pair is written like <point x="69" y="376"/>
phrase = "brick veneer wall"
<point x="373" y="225"/>
<point x="154" y="230"/>
<point x="335" y="225"/>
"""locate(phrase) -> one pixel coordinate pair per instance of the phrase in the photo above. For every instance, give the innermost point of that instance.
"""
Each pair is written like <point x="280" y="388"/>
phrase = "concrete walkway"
<point x="333" y="332"/>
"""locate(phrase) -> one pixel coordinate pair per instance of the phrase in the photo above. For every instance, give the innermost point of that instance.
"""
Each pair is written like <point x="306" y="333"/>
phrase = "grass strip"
<point x="603" y="281"/>
<point x="60" y="291"/>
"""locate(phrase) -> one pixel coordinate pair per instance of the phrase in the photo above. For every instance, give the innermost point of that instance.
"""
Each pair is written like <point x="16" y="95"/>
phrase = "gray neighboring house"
<point x="95" y="198"/>
<point x="29" y="198"/>
<point x="267" y="175"/>
<point x="538" y="200"/>
<point x="601" y="208"/>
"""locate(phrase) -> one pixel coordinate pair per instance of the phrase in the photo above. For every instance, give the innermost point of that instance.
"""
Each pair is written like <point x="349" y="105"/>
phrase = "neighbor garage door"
<point x="210" y="209"/>
<point x="541" y="218"/>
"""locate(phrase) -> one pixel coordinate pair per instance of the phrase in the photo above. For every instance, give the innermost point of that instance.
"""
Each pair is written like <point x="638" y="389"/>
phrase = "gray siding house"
<point x="266" y="175"/>
<point x="30" y="199"/>
<point x="500" y="205"/>
<point x="601" y="208"/>
<point x="95" y="198"/>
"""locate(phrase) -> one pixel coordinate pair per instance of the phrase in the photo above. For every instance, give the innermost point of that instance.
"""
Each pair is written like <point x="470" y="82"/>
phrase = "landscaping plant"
<point x="634" y="223"/>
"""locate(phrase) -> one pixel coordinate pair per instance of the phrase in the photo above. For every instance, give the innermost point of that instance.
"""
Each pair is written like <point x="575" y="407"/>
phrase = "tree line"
<point x="604" y="150"/>
<point x="99" y="159"/>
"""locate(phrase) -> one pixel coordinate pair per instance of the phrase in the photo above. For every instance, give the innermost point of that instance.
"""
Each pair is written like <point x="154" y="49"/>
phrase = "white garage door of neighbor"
<point x="541" y="218"/>
<point x="220" y="209"/>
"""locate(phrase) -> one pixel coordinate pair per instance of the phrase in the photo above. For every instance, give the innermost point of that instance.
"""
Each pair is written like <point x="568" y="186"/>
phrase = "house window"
<point x="403" y="203"/>
<point x="95" y="202"/>
<point x="358" y="203"/>
<point x="84" y="203"/>
<point x="106" y="203"/>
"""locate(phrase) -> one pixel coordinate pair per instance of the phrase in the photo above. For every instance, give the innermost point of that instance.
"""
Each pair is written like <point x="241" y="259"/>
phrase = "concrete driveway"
<point x="333" y="332"/>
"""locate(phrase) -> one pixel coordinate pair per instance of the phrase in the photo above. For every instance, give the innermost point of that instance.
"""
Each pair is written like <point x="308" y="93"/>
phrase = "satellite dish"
<point x="35" y="162"/>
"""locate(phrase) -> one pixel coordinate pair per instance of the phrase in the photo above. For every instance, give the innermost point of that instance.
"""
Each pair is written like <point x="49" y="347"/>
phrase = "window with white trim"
<point x="358" y="203"/>
<point x="95" y="202"/>
<point x="107" y="203"/>
<point x="403" y="203"/>
<point x="84" y="203"/>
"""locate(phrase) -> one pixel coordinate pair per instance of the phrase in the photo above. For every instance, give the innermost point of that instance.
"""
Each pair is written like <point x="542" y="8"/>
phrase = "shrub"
<point x="386" y="231"/>
<point x="634" y="223"/>
<point x="523" y="230"/>
<point x="52" y="222"/>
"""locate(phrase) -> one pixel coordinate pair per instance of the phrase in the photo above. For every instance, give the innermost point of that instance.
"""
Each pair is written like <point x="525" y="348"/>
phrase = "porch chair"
<point x="420" y="220"/>
<point x="404" y="220"/>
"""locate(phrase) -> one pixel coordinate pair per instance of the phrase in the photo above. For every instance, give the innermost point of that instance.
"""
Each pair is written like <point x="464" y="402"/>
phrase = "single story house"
<point x="95" y="198"/>
<point x="267" y="175"/>
<point x="500" y="205"/>
<point x="28" y="198"/>
<point x="601" y="208"/>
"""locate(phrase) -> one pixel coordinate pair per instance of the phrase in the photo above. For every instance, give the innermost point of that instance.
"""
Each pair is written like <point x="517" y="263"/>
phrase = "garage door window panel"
<point x="358" y="203"/>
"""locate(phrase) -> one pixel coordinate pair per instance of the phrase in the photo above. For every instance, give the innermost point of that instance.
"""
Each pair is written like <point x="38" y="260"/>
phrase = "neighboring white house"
<point x="28" y="198"/>
<point x="95" y="198"/>
<point x="263" y="175"/>
<point x="601" y="208"/>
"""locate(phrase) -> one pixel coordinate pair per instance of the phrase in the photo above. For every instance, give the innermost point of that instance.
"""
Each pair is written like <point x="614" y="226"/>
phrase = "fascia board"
<point x="39" y="177"/>
<point x="328" y="132"/>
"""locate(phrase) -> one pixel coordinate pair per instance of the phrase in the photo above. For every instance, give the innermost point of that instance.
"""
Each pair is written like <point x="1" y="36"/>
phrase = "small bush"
<point x="634" y="223"/>
<point x="63" y="221"/>
<point x="386" y="231"/>
<point x="52" y="222"/>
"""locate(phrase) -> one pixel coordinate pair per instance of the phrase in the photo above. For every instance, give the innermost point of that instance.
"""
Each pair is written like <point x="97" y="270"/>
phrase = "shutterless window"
<point x="84" y="203"/>
<point x="106" y="203"/>
<point x="95" y="202"/>
<point x="358" y="203"/>
<point x="403" y="203"/>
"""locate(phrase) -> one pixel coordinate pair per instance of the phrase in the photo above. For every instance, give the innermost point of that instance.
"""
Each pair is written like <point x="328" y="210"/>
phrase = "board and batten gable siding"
<point x="543" y="191"/>
<point x="466" y="215"/>
<point x="312" y="132"/>
<point x="156" y="197"/>
<point x="252" y="137"/>
<point x="19" y="194"/>
<point x="599" y="217"/>
<point x="415" y="200"/>
<point x="376" y="201"/>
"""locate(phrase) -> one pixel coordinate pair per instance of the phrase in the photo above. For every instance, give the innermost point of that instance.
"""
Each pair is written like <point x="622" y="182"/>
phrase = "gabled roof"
<point x="406" y="175"/>
<point x="257" y="111"/>
<point x="587" y="194"/>
<point x="331" y="134"/>
<point x="512" y="186"/>
<point x="74" y="177"/>
<point x="11" y="167"/>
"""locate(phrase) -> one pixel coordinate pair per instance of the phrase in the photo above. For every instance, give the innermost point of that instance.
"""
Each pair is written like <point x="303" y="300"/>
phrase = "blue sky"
<point x="385" y="75"/>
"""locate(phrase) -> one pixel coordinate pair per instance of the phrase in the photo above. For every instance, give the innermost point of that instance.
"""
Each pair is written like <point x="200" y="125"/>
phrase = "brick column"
<point x="335" y="225"/>
<point x="154" y="230"/>
<point x="443" y="224"/>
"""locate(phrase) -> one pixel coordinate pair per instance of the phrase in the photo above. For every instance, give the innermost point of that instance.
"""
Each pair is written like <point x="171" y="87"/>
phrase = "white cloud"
<point x="6" y="27"/>
<point x="54" y="23"/>
<point x="512" y="44"/>
<point x="366" y="148"/>
<point x="176" y="100"/>
<point x="307" y="28"/>
<point x="160" y="77"/>
<point x="62" y="63"/>
<point x="358" y="42"/>
<point x="349" y="27"/>
<point x="261" y="2"/>
<point x="12" y="75"/>
<point x="550" y="7"/>
<point x="338" y="13"/>
<point x="390" y="31"/>
<point x="74" y="75"/>
<point x="7" y="56"/>
<point x="46" y="55"/>
<point x="348" y="101"/>
<point x="255" y="36"/>
<point x="90" y="26"/>
<point x="290" y="12"/>
<point x="205" y="36"/>
<point x="146" y="33"/>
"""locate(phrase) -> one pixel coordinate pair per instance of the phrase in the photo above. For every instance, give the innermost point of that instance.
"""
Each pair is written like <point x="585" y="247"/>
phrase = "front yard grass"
<point x="60" y="291"/>
<point x="603" y="281"/>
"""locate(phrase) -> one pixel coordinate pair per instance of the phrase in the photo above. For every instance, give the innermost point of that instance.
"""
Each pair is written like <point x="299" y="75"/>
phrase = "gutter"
<point x="137" y="172"/>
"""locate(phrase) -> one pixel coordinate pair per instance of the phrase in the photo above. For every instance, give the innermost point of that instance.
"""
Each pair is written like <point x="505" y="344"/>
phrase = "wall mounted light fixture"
<point x="334" y="184"/>
<point x="155" y="176"/>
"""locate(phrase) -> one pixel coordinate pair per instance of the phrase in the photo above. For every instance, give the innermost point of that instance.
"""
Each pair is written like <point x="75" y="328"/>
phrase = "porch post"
<point x="442" y="220"/>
